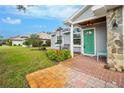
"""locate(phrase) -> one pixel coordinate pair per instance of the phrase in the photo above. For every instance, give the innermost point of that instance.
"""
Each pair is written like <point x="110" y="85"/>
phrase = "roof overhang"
<point x="93" y="21"/>
<point x="88" y="19"/>
<point x="99" y="12"/>
<point x="82" y="9"/>
<point x="102" y="9"/>
<point x="16" y="40"/>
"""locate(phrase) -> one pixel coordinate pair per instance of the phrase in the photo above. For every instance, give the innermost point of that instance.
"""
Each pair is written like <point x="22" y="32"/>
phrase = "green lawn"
<point x="16" y="62"/>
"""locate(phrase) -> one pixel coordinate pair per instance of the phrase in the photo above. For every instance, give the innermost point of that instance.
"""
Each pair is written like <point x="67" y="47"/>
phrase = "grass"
<point x="16" y="62"/>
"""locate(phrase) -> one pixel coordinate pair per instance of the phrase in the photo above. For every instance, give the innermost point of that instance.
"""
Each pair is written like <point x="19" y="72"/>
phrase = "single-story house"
<point x="98" y="29"/>
<point x="18" y="40"/>
<point x="44" y="37"/>
<point x="64" y="36"/>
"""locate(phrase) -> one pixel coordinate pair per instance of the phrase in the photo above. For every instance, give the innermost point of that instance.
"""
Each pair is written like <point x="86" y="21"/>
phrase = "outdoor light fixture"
<point x="114" y="24"/>
<point x="89" y="23"/>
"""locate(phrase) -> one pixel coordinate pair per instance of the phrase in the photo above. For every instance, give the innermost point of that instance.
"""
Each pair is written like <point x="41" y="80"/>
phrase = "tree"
<point x="27" y="42"/>
<point x="8" y="42"/>
<point x="34" y="36"/>
<point x="48" y="43"/>
<point x="34" y="40"/>
<point x="22" y="7"/>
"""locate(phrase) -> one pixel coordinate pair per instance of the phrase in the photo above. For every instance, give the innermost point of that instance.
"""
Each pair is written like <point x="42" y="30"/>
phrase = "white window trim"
<point x="57" y="45"/>
<point x="76" y="45"/>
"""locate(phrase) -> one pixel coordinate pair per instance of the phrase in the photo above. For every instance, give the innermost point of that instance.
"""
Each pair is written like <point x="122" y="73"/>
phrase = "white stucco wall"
<point x="44" y="41"/>
<point x="17" y="42"/>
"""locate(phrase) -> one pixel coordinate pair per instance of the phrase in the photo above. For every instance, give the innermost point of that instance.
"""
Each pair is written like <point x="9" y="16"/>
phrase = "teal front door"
<point x="88" y="41"/>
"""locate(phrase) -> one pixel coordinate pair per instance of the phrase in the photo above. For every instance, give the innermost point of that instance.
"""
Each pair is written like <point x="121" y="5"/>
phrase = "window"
<point x="77" y="30"/>
<point x="59" y="40"/>
<point x="77" y="36"/>
<point x="59" y="37"/>
<point x="52" y="35"/>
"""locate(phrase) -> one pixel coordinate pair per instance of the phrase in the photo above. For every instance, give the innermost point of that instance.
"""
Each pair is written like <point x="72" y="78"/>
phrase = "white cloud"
<point x="9" y="20"/>
<point x="59" y="11"/>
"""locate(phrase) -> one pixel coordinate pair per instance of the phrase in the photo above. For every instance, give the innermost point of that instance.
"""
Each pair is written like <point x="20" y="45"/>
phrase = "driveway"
<point x="79" y="72"/>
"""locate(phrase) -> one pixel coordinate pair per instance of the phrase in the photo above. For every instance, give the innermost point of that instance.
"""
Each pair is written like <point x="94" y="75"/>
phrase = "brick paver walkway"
<point x="78" y="72"/>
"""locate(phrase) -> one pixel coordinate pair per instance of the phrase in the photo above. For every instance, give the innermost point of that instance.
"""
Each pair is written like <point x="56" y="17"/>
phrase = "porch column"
<point x="123" y="31"/>
<point x="115" y="30"/>
<point x="71" y="41"/>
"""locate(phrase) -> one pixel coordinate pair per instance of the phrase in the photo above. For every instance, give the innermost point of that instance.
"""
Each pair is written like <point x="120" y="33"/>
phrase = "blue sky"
<point x="35" y="19"/>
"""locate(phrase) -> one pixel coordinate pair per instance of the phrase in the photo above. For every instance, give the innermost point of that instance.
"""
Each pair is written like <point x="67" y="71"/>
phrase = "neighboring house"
<point x="1" y="40"/>
<point x="98" y="29"/>
<point x="64" y="36"/>
<point x="44" y="37"/>
<point x="18" y="40"/>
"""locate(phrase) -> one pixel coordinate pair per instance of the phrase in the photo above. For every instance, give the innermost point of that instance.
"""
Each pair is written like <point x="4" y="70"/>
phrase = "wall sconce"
<point x="114" y="24"/>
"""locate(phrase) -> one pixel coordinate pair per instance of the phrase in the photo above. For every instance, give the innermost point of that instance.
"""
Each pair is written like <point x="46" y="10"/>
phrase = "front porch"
<point x="89" y="37"/>
<point x="77" y="72"/>
<point x="101" y="33"/>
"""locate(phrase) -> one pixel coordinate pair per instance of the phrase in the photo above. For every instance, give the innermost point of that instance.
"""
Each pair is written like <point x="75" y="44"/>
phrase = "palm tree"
<point x="21" y="7"/>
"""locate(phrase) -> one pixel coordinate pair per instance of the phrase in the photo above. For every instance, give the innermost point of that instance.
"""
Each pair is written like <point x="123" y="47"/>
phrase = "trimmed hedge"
<point x="58" y="55"/>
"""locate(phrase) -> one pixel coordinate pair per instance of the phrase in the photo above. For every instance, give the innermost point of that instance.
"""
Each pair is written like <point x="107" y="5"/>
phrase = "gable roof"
<point x="89" y="12"/>
<point x="43" y="35"/>
<point x="81" y="10"/>
<point x="24" y="37"/>
<point x="18" y="38"/>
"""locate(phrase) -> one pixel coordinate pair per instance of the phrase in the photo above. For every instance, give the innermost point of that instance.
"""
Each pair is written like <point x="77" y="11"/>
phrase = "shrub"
<point x="8" y="42"/>
<point x="19" y="44"/>
<point x="66" y="54"/>
<point x="58" y="55"/>
<point x="48" y="43"/>
<point x="27" y="43"/>
<point x="52" y="54"/>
